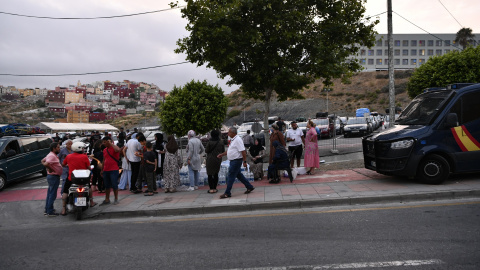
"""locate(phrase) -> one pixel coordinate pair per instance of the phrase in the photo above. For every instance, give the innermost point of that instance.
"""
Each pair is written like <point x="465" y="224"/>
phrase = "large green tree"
<point x="453" y="67"/>
<point x="465" y="37"/>
<point x="280" y="46"/>
<point x="197" y="106"/>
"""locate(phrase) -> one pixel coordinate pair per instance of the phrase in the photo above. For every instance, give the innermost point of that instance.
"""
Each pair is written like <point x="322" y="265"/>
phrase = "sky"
<point x="30" y="46"/>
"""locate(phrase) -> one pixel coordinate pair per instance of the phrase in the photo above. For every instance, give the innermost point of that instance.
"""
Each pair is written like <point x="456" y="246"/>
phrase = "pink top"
<point x="54" y="162"/>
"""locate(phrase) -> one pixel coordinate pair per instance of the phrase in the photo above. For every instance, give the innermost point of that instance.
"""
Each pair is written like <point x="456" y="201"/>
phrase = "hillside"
<point x="365" y="89"/>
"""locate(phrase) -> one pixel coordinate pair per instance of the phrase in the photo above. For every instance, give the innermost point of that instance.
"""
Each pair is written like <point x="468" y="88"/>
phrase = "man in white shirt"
<point x="131" y="152"/>
<point x="295" y="139"/>
<point x="237" y="155"/>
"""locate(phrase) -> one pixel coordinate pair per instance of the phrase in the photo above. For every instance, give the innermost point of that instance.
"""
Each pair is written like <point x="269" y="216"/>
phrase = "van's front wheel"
<point x="433" y="169"/>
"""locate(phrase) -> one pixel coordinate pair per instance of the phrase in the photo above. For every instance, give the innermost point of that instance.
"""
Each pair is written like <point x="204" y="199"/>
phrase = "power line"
<point x="425" y="30"/>
<point x="90" y="73"/>
<point x="451" y="14"/>
<point x="375" y="15"/>
<point x="88" y="18"/>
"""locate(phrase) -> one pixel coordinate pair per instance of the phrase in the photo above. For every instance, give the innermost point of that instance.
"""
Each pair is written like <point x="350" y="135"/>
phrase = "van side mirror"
<point x="451" y="121"/>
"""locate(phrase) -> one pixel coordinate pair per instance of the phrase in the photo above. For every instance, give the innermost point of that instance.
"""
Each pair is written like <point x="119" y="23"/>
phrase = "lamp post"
<point x="327" y="90"/>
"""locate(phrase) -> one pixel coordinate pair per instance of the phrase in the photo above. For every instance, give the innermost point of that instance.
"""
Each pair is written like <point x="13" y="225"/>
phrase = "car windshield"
<point x="356" y="121"/>
<point x="423" y="108"/>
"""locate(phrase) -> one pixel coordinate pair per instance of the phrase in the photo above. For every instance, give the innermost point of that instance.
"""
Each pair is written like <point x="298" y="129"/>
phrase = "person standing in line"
<point x="126" y="178"/>
<point x="67" y="150"/>
<point x="130" y="151"/>
<point x="111" y="156"/>
<point x="275" y="136"/>
<point x="312" y="157"/>
<point x="54" y="170"/>
<point x="160" y="149"/>
<point x="255" y="155"/>
<point x="121" y="138"/>
<point x="151" y="160"/>
<point x="248" y="140"/>
<point x="194" y="150"/>
<point x="171" y="167"/>
<point x="237" y="156"/>
<point x="93" y="139"/>
<point x="295" y="139"/>
<point x="97" y="176"/>
<point x="281" y="125"/>
<point x="214" y="148"/>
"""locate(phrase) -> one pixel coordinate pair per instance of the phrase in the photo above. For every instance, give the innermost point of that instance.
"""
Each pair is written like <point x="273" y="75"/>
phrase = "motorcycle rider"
<point x="78" y="160"/>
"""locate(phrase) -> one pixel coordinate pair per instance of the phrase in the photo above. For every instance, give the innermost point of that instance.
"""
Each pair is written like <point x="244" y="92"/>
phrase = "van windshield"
<point x="423" y="108"/>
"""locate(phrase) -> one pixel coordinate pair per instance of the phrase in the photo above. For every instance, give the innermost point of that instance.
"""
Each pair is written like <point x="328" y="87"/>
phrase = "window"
<point x="386" y="61"/>
<point x="430" y="43"/>
<point x="421" y="43"/>
<point x="397" y="62"/>
<point x="379" y="61"/>
<point x="386" y="52"/>
<point x="413" y="52"/>
<point x="413" y="62"/>
<point x="466" y="108"/>
<point x="447" y="43"/>
<point x="29" y="144"/>
<point x="413" y="43"/>
<point x="396" y="52"/>
<point x="396" y="43"/>
<point x="438" y="43"/>
<point x="363" y="52"/>
<point x="447" y="51"/>
<point x="379" y="52"/>
<point x="362" y="61"/>
<point x="386" y="43"/>
<point x="44" y="142"/>
<point x="370" y="61"/>
<point x="404" y="52"/>
<point x="430" y="52"/>
<point x="379" y="43"/>
<point x="438" y="52"/>
<point x="405" y="62"/>
<point x="371" y="52"/>
<point x="405" y="43"/>
<point x="421" y="61"/>
<point x="421" y="52"/>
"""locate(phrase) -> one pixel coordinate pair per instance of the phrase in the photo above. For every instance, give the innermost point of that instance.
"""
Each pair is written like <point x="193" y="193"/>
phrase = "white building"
<point x="409" y="50"/>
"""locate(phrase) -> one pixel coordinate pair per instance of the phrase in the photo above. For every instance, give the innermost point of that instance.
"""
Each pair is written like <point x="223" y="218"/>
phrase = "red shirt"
<point x="76" y="161"/>
<point x="109" y="164"/>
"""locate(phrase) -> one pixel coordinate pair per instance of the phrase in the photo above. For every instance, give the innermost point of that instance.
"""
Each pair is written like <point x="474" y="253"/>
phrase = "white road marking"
<point x="351" y="265"/>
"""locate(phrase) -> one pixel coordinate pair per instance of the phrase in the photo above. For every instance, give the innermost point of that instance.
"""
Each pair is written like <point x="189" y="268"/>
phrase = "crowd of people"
<point x="142" y="162"/>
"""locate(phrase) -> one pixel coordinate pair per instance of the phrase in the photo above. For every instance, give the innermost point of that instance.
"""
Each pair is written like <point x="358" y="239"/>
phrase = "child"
<point x="151" y="161"/>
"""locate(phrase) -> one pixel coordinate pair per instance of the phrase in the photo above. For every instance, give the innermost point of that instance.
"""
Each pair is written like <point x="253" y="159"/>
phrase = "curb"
<point x="294" y="204"/>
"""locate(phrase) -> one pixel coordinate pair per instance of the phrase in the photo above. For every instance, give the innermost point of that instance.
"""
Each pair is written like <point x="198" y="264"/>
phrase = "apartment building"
<point x="409" y="50"/>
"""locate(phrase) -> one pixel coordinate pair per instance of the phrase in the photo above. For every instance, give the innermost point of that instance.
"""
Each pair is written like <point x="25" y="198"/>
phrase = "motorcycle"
<point x="78" y="193"/>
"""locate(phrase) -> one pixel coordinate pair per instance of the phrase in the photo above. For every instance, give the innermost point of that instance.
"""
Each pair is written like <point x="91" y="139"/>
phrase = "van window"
<point x="30" y="144"/>
<point x="423" y="108"/>
<point x="44" y="142"/>
<point x="11" y="146"/>
<point x="466" y="108"/>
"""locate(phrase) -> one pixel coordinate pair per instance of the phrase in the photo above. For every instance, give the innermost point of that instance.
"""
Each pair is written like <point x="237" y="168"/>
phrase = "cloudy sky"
<point x="49" y="47"/>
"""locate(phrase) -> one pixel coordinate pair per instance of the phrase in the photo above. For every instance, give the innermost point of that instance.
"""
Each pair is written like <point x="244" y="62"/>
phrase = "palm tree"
<point x="465" y="37"/>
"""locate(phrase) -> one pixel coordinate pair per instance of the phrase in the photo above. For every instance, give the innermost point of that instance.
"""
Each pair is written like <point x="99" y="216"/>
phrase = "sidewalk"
<point x="325" y="188"/>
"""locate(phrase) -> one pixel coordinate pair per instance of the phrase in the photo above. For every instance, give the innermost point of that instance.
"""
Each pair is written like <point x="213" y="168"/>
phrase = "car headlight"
<point x="402" y="144"/>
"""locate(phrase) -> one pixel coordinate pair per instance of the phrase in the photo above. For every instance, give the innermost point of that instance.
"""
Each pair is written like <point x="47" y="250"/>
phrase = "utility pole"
<point x="391" y="78"/>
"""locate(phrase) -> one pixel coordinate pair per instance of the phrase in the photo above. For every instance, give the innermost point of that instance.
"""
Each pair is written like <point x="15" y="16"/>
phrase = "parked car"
<point x="339" y="126"/>
<point x="357" y="126"/>
<point x="21" y="156"/>
<point x="326" y="127"/>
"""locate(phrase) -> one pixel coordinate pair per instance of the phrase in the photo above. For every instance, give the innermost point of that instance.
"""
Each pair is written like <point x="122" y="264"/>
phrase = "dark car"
<point x="357" y="126"/>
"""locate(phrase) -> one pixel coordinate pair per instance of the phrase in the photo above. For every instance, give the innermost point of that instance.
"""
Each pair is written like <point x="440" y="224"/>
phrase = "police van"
<point x="438" y="134"/>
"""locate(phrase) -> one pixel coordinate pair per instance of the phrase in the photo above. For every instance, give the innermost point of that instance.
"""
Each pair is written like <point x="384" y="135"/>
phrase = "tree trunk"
<point x="266" y="113"/>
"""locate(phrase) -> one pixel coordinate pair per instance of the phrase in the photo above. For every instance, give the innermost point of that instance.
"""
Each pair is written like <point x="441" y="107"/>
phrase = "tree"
<point x="465" y="37"/>
<point x="453" y="67"/>
<point x="279" y="46"/>
<point x="197" y="106"/>
<point x="40" y="103"/>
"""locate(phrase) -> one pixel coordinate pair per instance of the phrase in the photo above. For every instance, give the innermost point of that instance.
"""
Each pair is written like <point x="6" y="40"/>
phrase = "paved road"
<point x="440" y="235"/>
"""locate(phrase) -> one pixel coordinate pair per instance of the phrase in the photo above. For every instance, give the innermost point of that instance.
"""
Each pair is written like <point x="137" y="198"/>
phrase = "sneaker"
<point x="196" y="187"/>
<point x="191" y="189"/>
<point x="52" y="215"/>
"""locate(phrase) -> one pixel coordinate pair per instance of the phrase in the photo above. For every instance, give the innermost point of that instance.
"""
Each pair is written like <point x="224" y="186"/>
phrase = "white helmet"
<point x="78" y="147"/>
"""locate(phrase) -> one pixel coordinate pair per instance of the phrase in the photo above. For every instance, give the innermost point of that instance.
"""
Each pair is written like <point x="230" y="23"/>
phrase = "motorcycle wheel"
<point x="78" y="213"/>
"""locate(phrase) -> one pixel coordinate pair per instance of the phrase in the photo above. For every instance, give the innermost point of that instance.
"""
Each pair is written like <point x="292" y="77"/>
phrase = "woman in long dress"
<point x="276" y="136"/>
<point x="171" y="167"/>
<point x="312" y="157"/>
<point x="214" y="147"/>
<point x="255" y="155"/>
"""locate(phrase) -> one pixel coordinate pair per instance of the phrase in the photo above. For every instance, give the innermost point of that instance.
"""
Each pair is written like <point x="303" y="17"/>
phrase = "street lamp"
<point x="327" y="90"/>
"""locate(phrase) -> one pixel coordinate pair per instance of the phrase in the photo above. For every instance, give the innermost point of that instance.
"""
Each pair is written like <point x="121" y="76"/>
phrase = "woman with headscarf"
<point x="214" y="147"/>
<point x="280" y="161"/>
<point x="312" y="157"/>
<point x="160" y="149"/>
<point x="275" y="136"/>
<point x="194" y="150"/>
<point x="171" y="166"/>
<point x="255" y="155"/>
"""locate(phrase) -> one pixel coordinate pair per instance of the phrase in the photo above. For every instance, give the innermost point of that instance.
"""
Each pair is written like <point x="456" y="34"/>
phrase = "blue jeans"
<point x="193" y="175"/>
<point x="53" y="182"/>
<point x="235" y="171"/>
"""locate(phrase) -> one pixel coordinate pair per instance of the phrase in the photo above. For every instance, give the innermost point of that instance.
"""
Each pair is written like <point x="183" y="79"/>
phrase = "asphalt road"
<point x="440" y="235"/>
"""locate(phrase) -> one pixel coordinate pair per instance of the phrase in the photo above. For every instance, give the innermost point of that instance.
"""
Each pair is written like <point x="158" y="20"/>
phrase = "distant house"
<point x="97" y="116"/>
